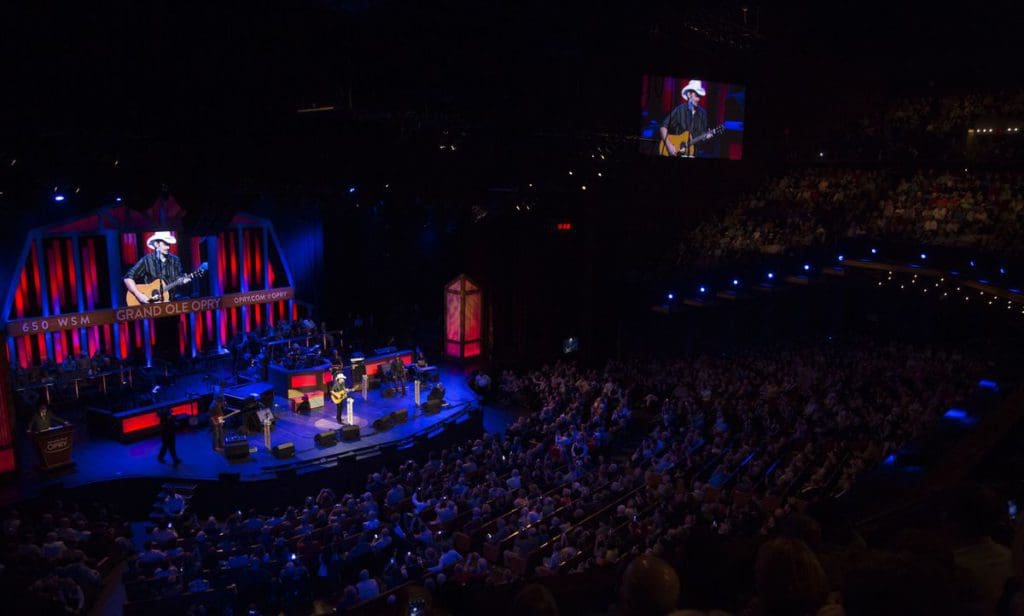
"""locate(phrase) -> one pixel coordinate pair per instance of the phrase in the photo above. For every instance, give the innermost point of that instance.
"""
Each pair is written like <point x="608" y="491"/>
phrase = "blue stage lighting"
<point x="703" y="289"/>
<point x="840" y="258"/>
<point x="58" y="197"/>
<point x="671" y="296"/>
<point x="351" y="189"/>
<point x="956" y="414"/>
<point x="771" y="275"/>
<point x="735" y="282"/>
<point x="807" y="267"/>
<point x="874" y="251"/>
<point x="1002" y="270"/>
<point x="890" y="460"/>
<point x="924" y="256"/>
<point x="987" y="384"/>
<point x="118" y="199"/>
<point x="972" y="263"/>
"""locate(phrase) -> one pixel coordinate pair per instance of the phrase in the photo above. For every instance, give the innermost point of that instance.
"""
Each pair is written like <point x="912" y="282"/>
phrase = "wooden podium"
<point x="54" y="446"/>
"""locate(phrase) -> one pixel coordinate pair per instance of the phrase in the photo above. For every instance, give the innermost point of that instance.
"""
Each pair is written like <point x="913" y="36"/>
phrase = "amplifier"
<point x="284" y="450"/>
<point x="236" y="447"/>
<point x="400" y="416"/>
<point x="382" y="424"/>
<point x="326" y="438"/>
<point x="350" y="433"/>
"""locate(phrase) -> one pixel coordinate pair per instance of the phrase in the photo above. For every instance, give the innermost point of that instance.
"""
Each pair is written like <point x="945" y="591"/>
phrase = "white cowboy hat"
<point x="163" y="236"/>
<point x="339" y="378"/>
<point x="696" y="86"/>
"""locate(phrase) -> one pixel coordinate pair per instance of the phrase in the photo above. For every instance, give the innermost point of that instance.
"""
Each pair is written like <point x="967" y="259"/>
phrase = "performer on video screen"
<point x="688" y="117"/>
<point x="159" y="263"/>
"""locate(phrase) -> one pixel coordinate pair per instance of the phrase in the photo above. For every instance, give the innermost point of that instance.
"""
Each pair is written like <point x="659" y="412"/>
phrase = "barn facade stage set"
<point x="222" y="333"/>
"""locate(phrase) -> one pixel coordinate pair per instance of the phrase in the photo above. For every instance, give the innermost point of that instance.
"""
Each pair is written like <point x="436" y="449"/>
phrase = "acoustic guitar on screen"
<point x="685" y="144"/>
<point x="158" y="292"/>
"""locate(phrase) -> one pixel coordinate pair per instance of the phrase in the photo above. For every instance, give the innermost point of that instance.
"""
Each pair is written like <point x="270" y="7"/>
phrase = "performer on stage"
<point x="44" y="420"/>
<point x="338" y="394"/>
<point x="398" y="374"/>
<point x="218" y="409"/>
<point x="168" y="436"/>
<point x="159" y="264"/>
<point x="688" y="117"/>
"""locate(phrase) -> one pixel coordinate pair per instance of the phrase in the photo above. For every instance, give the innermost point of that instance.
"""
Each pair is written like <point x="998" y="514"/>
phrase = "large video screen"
<point x="688" y="117"/>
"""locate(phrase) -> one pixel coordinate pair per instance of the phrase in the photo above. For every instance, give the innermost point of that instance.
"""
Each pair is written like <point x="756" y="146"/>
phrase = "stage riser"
<point x="143" y="422"/>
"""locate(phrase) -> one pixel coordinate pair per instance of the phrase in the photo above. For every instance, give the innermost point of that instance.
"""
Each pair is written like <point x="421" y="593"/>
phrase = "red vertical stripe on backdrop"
<point x="221" y="269"/>
<point x="295" y="312"/>
<point x="37" y="264"/>
<point x="41" y="345"/>
<point x="59" y="352"/>
<point x="223" y="328"/>
<point x="76" y="342"/>
<point x="233" y="259"/>
<point x="19" y="293"/>
<point x="182" y="334"/>
<point x="94" y="286"/>
<point x="152" y="332"/>
<point x="108" y="341"/>
<point x="123" y="342"/>
<point x="198" y="333"/>
<point x="72" y="274"/>
<point x="196" y="256"/>
<point x="209" y="324"/>
<point x="51" y="279"/>
<point x="234" y="321"/>
<point x="138" y="334"/>
<point x="258" y="259"/>
<point x="129" y="248"/>
<point x="21" y="349"/>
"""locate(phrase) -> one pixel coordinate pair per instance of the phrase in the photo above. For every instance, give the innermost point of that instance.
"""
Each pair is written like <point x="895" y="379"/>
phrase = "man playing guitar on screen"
<point x="159" y="264"/>
<point x="688" y="117"/>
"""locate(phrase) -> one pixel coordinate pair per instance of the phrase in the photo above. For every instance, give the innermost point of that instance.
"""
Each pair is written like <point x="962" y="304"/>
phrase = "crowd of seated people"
<point x="816" y="208"/>
<point x="53" y="558"/>
<point x="737" y="445"/>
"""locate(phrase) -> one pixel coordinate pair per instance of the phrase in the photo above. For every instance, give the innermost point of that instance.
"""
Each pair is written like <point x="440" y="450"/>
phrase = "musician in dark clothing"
<point x="158" y="264"/>
<point x="398" y="374"/>
<point x="44" y="420"/>
<point x="168" y="436"/>
<point x="688" y="117"/>
<point x="218" y="409"/>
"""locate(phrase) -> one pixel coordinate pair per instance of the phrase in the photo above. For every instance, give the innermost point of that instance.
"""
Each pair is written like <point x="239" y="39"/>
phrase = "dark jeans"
<point x="167" y="443"/>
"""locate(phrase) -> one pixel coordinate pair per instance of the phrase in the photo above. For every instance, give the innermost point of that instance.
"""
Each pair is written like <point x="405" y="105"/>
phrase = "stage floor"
<point x="98" y="458"/>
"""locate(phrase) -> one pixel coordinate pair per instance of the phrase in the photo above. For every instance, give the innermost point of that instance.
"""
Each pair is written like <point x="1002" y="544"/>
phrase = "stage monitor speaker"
<point x="382" y="424"/>
<point x="358" y="372"/>
<point x="350" y="433"/>
<point x="400" y="416"/>
<point x="284" y="450"/>
<point x="236" y="448"/>
<point x="431" y="407"/>
<point x="326" y="438"/>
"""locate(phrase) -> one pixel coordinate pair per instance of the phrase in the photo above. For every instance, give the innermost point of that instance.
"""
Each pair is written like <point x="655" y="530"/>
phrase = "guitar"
<point x="157" y="291"/>
<point x="339" y="395"/>
<point x="685" y="145"/>
<point x="223" y="418"/>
